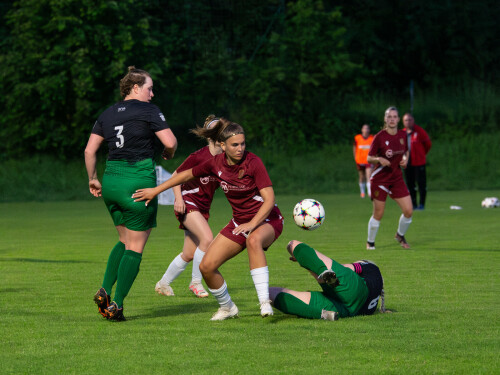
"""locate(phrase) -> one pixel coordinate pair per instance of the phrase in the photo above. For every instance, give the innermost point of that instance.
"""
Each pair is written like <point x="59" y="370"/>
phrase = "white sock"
<point x="222" y="296"/>
<point x="175" y="268"/>
<point x="368" y="187"/>
<point x="362" y="186"/>
<point x="373" y="225"/>
<point x="260" y="278"/>
<point x="404" y="223"/>
<point x="196" y="274"/>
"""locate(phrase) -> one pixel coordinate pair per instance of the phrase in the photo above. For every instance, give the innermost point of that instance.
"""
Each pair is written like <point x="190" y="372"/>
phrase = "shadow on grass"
<point x="175" y="310"/>
<point x="35" y="260"/>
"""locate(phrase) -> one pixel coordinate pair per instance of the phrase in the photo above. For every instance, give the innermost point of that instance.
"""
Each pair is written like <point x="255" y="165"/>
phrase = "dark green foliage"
<point x="295" y="74"/>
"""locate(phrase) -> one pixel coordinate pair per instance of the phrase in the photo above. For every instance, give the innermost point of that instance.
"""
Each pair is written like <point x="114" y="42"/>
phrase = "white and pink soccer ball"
<point x="309" y="214"/>
<point x="490" y="202"/>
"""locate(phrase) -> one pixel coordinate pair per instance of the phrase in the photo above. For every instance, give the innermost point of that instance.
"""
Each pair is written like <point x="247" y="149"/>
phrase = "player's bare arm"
<point x="267" y="195"/>
<point x="378" y="160"/>
<point x="93" y="145"/>
<point x="179" y="204"/>
<point x="150" y="193"/>
<point x="169" y="141"/>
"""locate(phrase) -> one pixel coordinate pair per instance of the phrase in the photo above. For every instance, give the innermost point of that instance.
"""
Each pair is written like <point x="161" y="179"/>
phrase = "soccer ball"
<point x="309" y="214"/>
<point x="490" y="202"/>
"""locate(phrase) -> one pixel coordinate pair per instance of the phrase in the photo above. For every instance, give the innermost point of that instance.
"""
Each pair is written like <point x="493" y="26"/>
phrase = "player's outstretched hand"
<point x="144" y="195"/>
<point x="95" y="188"/>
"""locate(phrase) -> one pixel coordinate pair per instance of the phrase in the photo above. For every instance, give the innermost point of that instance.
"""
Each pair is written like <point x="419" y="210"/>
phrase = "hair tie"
<point x="210" y="123"/>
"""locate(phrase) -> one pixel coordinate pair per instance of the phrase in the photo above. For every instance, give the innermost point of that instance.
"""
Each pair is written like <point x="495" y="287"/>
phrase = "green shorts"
<point x="121" y="179"/>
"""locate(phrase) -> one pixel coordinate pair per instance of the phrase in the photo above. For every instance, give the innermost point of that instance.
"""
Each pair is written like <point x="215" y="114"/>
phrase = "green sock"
<point x="307" y="258"/>
<point x="127" y="272"/>
<point x="114" y="260"/>
<point x="289" y="304"/>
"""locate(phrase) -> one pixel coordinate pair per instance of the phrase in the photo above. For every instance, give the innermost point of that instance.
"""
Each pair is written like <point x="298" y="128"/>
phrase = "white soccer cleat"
<point x="329" y="315"/>
<point x="266" y="309"/>
<point x="164" y="289"/>
<point x="225" y="313"/>
<point x="198" y="290"/>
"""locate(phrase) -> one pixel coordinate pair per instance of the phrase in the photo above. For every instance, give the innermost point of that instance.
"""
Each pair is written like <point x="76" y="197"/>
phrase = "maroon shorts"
<point x="274" y="219"/>
<point x="362" y="167"/>
<point x="190" y="208"/>
<point x="395" y="189"/>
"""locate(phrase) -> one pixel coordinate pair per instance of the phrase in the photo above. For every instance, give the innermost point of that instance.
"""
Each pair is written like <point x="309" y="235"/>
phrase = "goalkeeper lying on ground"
<point x="348" y="290"/>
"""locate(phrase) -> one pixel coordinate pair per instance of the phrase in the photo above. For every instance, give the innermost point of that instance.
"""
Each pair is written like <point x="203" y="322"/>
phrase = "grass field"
<point x="444" y="291"/>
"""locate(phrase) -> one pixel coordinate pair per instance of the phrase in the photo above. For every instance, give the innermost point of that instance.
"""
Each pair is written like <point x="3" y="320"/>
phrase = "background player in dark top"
<point x="348" y="289"/>
<point x="256" y="222"/>
<point x="419" y="144"/>
<point x="389" y="153"/>
<point x="192" y="205"/>
<point x="130" y="128"/>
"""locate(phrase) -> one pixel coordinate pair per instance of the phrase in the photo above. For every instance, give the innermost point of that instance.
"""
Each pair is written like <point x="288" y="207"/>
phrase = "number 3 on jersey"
<point x="121" y="139"/>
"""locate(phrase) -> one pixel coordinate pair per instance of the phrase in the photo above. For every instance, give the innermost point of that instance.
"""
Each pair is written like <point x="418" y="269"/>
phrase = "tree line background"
<point x="294" y="74"/>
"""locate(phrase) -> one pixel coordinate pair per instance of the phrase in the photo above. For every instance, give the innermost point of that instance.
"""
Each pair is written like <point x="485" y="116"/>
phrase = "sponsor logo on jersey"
<point x="162" y="117"/>
<point x="121" y="109"/>
<point x="226" y="187"/>
<point x="388" y="153"/>
<point x="204" y="180"/>
<point x="241" y="172"/>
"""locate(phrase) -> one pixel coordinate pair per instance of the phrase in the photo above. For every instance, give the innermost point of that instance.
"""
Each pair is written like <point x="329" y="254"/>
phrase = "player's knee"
<point x="254" y="243"/>
<point x="273" y="292"/>
<point x="292" y="245"/>
<point x="206" y="268"/>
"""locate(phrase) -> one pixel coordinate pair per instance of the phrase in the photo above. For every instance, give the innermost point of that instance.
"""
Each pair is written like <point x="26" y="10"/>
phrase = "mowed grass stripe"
<point x="444" y="293"/>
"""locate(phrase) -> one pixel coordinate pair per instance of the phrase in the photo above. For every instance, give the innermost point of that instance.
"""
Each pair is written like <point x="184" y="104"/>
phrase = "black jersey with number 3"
<point x="129" y="128"/>
<point x="373" y="280"/>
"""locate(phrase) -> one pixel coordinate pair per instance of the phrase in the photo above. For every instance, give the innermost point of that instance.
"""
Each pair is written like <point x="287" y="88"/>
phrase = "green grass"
<point x="444" y="293"/>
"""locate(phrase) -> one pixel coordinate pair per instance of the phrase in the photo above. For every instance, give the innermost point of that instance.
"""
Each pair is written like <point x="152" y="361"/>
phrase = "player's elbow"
<point x="171" y="143"/>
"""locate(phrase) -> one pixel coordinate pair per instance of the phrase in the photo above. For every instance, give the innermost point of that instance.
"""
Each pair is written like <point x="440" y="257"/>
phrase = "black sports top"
<point x="129" y="127"/>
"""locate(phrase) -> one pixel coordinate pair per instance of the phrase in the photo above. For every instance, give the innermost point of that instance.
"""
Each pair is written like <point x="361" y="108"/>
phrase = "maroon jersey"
<point x="240" y="182"/>
<point x="391" y="147"/>
<point x="200" y="191"/>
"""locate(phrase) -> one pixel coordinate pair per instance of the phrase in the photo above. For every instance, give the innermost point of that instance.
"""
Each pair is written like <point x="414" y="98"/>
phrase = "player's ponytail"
<point x="220" y="131"/>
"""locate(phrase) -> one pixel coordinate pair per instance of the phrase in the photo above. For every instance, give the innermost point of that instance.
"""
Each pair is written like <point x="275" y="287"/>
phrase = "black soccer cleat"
<point x="114" y="313"/>
<point x="402" y="240"/>
<point x="102" y="300"/>
<point x="329" y="277"/>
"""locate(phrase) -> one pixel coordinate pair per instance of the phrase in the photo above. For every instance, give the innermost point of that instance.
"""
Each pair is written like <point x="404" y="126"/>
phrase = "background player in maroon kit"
<point x="389" y="151"/>
<point x="256" y="222"/>
<point x="192" y="205"/>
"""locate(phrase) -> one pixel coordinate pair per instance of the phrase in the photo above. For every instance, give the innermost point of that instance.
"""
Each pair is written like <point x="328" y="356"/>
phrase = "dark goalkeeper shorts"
<point x="121" y="179"/>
